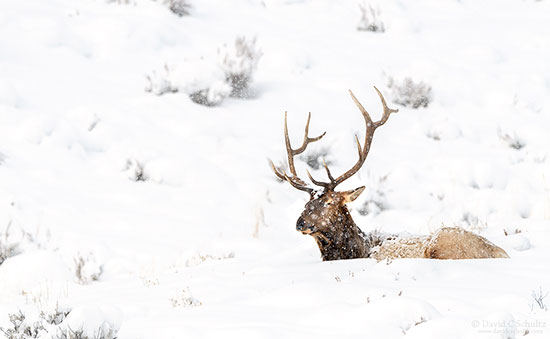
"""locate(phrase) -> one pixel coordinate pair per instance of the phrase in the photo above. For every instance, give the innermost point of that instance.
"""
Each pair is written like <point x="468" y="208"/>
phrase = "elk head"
<point x="326" y="216"/>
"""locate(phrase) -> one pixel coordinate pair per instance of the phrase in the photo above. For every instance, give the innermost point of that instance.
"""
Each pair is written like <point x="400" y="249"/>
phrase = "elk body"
<point x="327" y="219"/>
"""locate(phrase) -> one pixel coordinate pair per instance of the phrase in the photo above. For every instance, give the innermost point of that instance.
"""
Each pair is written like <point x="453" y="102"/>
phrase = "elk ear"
<point x="349" y="196"/>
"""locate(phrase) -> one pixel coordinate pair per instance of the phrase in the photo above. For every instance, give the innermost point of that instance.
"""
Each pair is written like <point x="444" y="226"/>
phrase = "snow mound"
<point x="93" y="321"/>
<point x="31" y="271"/>
<point x="518" y="242"/>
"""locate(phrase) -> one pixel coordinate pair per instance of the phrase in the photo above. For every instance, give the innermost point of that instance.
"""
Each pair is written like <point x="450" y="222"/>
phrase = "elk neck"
<point x="343" y="239"/>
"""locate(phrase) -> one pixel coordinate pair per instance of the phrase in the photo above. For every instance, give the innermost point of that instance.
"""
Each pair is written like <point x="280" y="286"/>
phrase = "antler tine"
<point x="300" y="186"/>
<point x="370" y="128"/>
<point x="326" y="185"/>
<point x="366" y="114"/>
<point x="294" y="181"/>
<point x="279" y="175"/>
<point x="387" y="111"/>
<point x="359" y="151"/>
<point x="293" y="178"/>
<point x="307" y="140"/>
<point x="328" y="170"/>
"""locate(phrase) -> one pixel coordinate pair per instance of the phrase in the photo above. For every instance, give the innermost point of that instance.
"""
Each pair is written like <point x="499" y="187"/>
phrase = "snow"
<point x="94" y="321"/>
<point x="32" y="270"/>
<point x="211" y="227"/>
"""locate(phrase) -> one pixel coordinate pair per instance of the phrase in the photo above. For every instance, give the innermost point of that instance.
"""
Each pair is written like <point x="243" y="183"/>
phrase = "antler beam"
<point x="363" y="151"/>
<point x="293" y="179"/>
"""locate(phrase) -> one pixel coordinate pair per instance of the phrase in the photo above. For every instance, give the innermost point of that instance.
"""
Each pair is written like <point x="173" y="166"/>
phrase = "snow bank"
<point x="34" y="272"/>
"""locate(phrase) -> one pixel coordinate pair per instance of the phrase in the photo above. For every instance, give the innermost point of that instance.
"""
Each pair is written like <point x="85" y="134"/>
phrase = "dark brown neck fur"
<point x="328" y="220"/>
<point x="343" y="239"/>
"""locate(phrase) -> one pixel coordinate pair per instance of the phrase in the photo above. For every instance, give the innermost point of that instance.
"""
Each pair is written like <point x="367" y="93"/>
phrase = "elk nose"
<point x="300" y="224"/>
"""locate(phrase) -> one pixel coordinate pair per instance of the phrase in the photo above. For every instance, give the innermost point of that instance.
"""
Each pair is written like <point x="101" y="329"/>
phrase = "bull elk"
<point x="327" y="219"/>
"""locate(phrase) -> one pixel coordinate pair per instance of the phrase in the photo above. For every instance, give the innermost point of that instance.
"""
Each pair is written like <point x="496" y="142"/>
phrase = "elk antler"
<point x="364" y="151"/>
<point x="293" y="179"/>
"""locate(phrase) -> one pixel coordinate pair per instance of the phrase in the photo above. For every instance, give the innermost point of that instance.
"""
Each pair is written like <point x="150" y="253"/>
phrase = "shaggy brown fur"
<point x="329" y="222"/>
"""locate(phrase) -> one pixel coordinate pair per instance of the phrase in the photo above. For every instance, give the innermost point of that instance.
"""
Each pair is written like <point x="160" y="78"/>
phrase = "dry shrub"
<point x="179" y="7"/>
<point x="409" y="93"/>
<point x="370" y="19"/>
<point x="239" y="62"/>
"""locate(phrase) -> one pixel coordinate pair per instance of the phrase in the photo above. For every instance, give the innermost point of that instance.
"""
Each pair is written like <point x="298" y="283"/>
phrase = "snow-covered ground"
<point x="205" y="246"/>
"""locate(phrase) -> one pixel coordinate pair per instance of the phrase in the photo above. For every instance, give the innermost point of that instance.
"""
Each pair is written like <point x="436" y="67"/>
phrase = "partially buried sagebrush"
<point x="327" y="219"/>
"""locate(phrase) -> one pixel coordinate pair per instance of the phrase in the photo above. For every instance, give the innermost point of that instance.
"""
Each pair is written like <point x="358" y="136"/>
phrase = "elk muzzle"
<point x="304" y="227"/>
